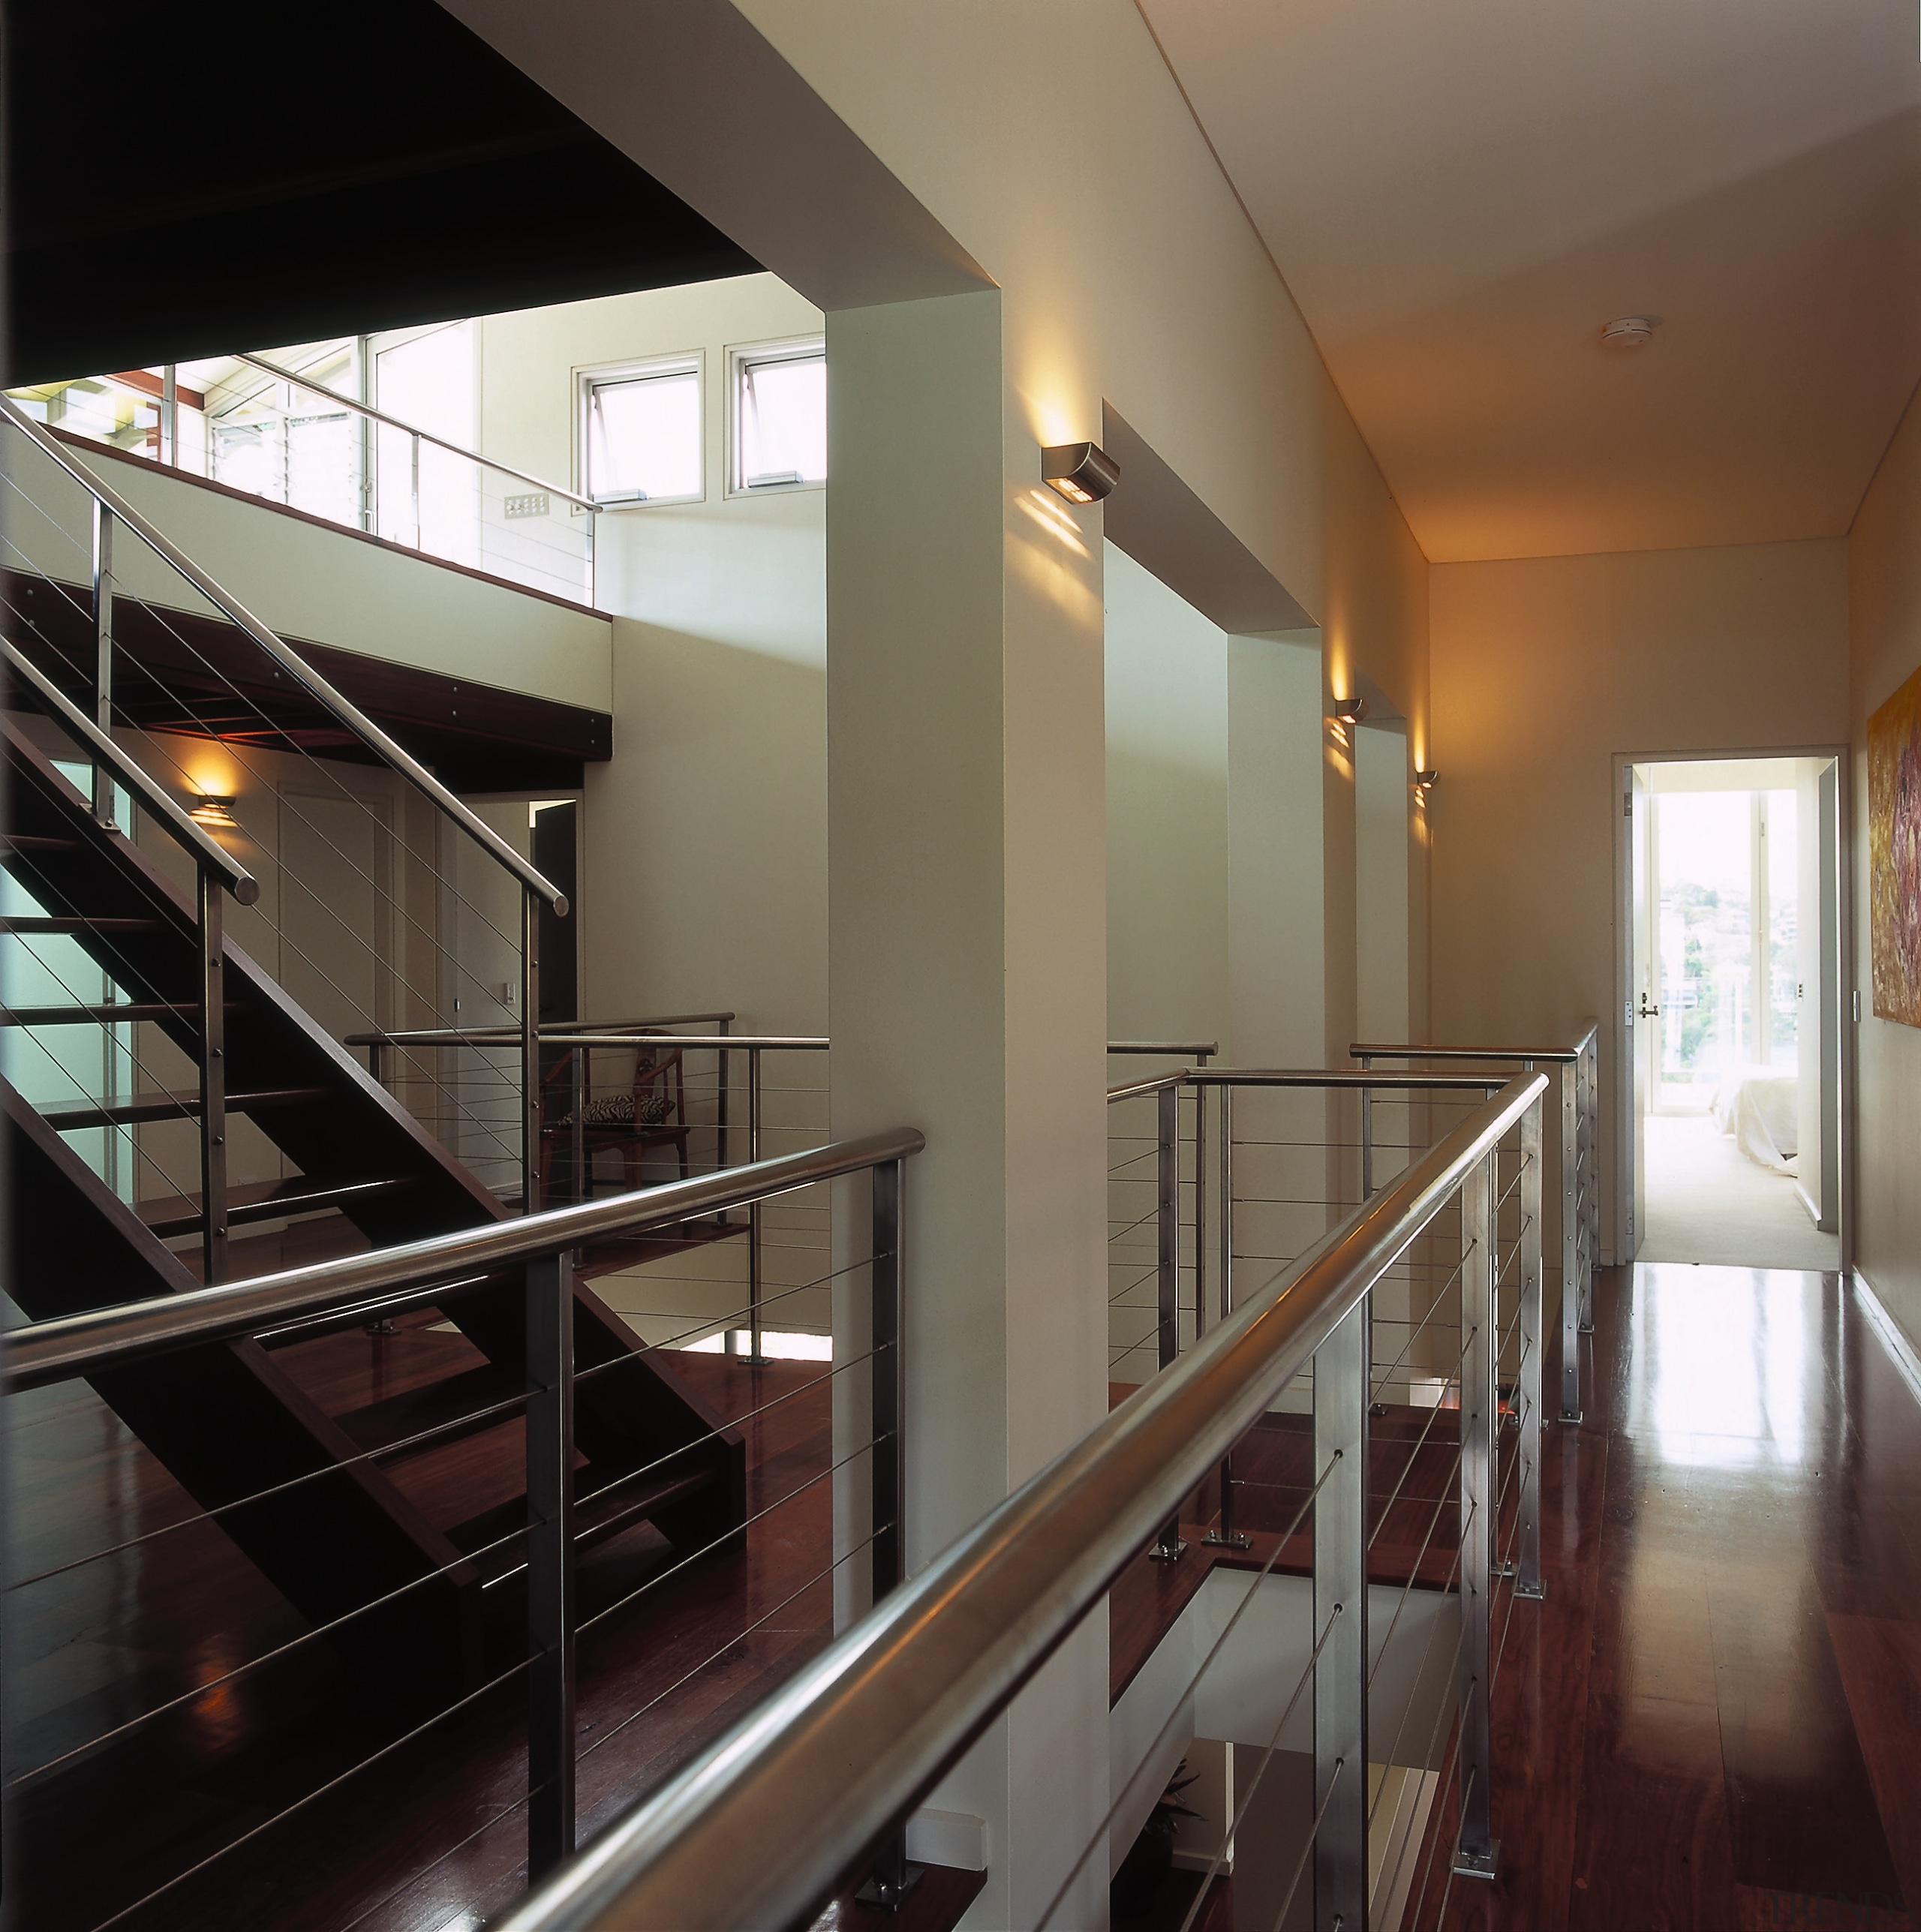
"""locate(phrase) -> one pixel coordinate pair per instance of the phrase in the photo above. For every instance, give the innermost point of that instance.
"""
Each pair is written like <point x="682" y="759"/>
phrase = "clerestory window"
<point x="780" y="416"/>
<point x="642" y="434"/>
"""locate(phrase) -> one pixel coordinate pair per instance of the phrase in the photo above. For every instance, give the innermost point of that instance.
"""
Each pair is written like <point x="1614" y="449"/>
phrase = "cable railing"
<point x="282" y="435"/>
<point x="829" y="1768"/>
<point x="1579" y="1203"/>
<point x="477" y="511"/>
<point x="534" y="1548"/>
<point x="389" y="914"/>
<point x="216" y="875"/>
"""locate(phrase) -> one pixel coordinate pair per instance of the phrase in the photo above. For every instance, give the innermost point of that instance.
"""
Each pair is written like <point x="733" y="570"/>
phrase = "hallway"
<point x="1707" y="1201"/>
<point x="1709" y="1723"/>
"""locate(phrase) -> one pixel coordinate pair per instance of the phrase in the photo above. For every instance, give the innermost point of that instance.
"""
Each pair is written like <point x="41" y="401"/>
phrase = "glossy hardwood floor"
<point x="1714" y="1721"/>
<point x="431" y="1835"/>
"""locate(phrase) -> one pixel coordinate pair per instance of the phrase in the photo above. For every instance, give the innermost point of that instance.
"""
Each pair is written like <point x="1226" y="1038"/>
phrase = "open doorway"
<point x="1731" y="1018"/>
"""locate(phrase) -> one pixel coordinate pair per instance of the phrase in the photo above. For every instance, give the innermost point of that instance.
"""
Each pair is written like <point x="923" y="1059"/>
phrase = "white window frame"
<point x="784" y="349"/>
<point x="694" y="362"/>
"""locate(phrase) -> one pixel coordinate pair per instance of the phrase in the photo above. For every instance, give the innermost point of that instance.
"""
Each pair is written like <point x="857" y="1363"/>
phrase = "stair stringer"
<point x="226" y="1422"/>
<point x="631" y="1417"/>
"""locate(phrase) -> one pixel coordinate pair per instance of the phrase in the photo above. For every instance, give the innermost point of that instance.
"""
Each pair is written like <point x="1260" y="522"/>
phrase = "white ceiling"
<point x="1460" y="193"/>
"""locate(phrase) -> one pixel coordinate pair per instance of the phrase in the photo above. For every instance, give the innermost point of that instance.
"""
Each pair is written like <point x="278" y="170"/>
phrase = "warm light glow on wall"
<point x="1054" y="518"/>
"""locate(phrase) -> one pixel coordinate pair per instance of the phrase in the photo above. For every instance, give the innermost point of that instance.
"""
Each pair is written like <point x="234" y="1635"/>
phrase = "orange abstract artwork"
<point x="1894" y="842"/>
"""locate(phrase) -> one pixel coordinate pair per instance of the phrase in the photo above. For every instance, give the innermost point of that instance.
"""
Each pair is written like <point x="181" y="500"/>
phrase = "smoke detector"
<point x="1630" y="332"/>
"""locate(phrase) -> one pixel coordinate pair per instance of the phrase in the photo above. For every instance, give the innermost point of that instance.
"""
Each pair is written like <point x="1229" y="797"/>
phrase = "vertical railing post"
<point x="1200" y="1206"/>
<point x="1168" y="1547"/>
<point x="169" y="415"/>
<point x="1590" y="1178"/>
<point x="550" y="1568"/>
<point x="577" y="1084"/>
<point x="529" y="1050"/>
<point x="892" y="1877"/>
<point x="103" y="654"/>
<point x="755" y="1358"/>
<point x="213" y="1082"/>
<point x="1340" y="1598"/>
<point x="1367" y="1143"/>
<point x="1571" y="1243"/>
<point x="1226" y="1536"/>
<point x="414" y="489"/>
<point x="1528" y="1582"/>
<point x="723" y="1154"/>
<point x="1476" y="1851"/>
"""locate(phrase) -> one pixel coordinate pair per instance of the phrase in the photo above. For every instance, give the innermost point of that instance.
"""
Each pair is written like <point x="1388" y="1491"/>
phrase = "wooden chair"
<point x="658" y="1118"/>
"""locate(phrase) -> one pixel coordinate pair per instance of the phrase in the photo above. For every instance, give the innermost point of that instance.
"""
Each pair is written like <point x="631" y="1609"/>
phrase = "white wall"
<point x="1167" y="807"/>
<point x="1544" y="669"/>
<point x="705" y="835"/>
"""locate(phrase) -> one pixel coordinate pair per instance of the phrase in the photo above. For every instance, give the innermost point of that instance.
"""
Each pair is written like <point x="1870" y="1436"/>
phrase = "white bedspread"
<point x="1761" y="1107"/>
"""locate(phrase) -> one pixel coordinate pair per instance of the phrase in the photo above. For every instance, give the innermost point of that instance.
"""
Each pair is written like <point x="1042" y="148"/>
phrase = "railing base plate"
<point x="1535" y="1593"/>
<point x="1478" y="1865"/>
<point x="1571" y="1417"/>
<point x="1215" y="1540"/>
<point x="890" y="1897"/>
<point x="1168" y="1552"/>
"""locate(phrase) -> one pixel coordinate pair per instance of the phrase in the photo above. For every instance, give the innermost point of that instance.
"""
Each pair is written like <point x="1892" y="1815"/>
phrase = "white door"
<point x="1641" y="1014"/>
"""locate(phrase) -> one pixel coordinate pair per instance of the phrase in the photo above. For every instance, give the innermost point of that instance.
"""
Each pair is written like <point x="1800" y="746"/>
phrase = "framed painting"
<point x="1894" y="848"/>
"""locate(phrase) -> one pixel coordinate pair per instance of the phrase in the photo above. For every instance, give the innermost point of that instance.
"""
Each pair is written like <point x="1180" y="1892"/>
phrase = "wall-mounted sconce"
<point x="213" y="808"/>
<point x="1350" y="710"/>
<point x="1424" y="782"/>
<point x="1083" y="473"/>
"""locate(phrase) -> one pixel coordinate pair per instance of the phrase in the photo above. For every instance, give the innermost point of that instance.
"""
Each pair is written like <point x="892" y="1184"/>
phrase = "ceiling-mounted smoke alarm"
<point x="1630" y="332"/>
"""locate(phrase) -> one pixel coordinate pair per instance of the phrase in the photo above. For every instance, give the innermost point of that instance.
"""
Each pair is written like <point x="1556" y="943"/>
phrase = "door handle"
<point x="1648" y="1012"/>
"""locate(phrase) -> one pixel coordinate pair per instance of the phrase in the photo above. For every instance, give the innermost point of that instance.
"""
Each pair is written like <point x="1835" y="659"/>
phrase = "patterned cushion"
<point x="617" y="1109"/>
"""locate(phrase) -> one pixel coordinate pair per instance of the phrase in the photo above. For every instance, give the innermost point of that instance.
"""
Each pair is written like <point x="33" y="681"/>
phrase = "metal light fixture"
<point x="213" y="808"/>
<point x="1424" y="782"/>
<point x="1083" y="473"/>
<point x="1350" y="710"/>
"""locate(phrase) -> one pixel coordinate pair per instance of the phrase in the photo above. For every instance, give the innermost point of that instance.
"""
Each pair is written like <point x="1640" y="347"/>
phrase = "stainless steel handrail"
<point x="349" y="714"/>
<point x="501" y="1036"/>
<point x="821" y="1773"/>
<point x="373" y="415"/>
<point x="1361" y="1049"/>
<point x="101" y="1339"/>
<point x="211" y="856"/>
<point x="1184" y="1049"/>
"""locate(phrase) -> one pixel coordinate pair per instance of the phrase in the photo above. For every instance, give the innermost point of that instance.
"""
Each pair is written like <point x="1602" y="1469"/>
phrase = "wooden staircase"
<point x="228" y="1421"/>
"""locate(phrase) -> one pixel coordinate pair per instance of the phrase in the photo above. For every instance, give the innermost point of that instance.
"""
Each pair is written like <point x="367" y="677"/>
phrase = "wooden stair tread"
<point x="244" y="1205"/>
<point x="104" y="1015"/>
<point x="31" y="924"/>
<point x="444" y="1405"/>
<point x="171" y="1106"/>
<point x="607" y="1515"/>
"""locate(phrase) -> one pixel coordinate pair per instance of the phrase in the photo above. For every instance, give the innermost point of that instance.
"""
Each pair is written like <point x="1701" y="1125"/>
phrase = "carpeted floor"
<point x="1706" y="1201"/>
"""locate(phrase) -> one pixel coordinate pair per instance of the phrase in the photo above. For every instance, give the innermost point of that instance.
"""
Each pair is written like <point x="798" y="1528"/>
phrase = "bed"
<point x="1761" y="1107"/>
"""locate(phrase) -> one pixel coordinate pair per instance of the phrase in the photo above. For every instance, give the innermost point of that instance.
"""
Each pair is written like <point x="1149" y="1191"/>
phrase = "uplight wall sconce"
<point x="213" y="808"/>
<point x="1350" y="710"/>
<point x="1424" y="782"/>
<point x="1083" y="473"/>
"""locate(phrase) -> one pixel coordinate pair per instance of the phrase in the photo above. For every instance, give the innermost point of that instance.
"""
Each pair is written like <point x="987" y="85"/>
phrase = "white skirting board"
<point x="1900" y="1349"/>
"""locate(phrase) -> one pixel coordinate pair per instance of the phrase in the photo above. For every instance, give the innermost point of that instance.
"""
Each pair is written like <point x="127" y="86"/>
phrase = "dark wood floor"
<point x="1714" y="1721"/>
<point x="434" y="1830"/>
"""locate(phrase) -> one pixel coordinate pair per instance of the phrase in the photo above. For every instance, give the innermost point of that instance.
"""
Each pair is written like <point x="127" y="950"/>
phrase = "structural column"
<point x="967" y="985"/>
